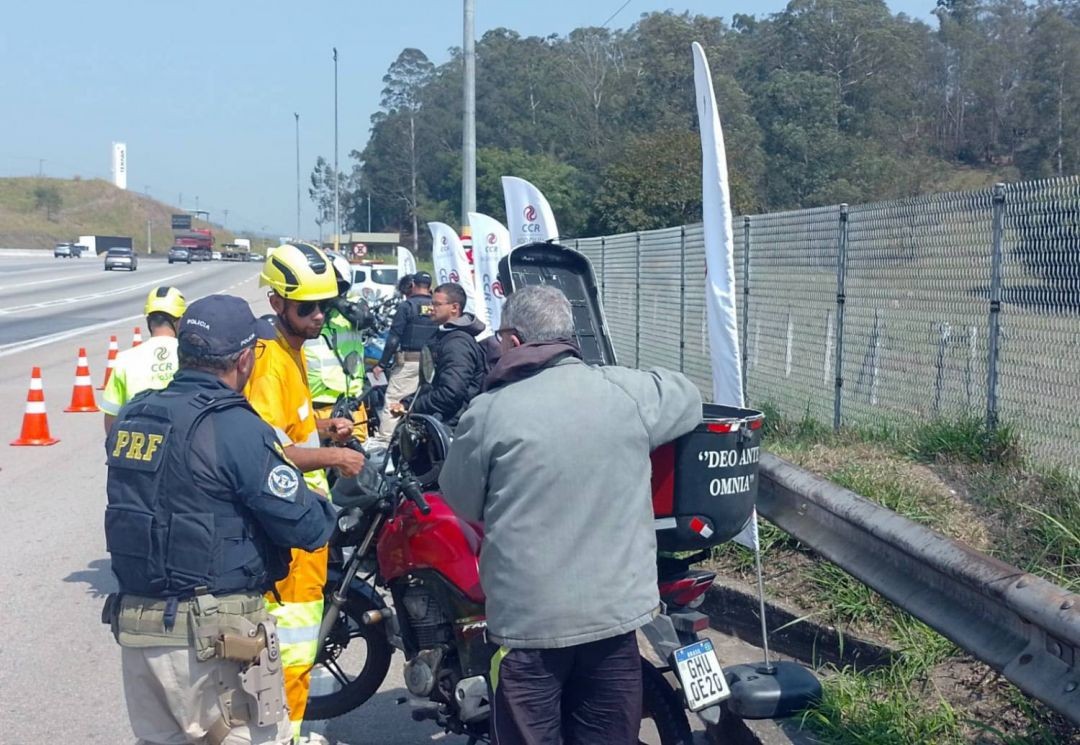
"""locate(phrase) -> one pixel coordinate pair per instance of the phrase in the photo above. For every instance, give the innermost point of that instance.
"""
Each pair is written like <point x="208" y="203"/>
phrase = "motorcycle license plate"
<point x="702" y="678"/>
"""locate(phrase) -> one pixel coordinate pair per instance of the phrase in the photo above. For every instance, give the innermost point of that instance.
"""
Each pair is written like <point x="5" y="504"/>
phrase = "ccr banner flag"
<point x="719" y="256"/>
<point x="528" y="214"/>
<point x="406" y="262"/>
<point x="451" y="265"/>
<point x="491" y="242"/>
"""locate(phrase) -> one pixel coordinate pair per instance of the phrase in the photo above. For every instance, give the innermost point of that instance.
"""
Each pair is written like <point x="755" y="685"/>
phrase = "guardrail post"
<point x="841" y="277"/>
<point x="995" y="308"/>
<point x="743" y="351"/>
<point x="682" y="299"/>
<point x="637" y="299"/>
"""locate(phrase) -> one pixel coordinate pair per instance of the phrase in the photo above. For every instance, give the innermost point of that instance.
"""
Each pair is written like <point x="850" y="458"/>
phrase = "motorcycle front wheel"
<point x="352" y="663"/>
<point x="663" y="716"/>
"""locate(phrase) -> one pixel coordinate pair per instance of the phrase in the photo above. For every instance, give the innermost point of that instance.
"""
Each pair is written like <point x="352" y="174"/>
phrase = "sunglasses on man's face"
<point x="307" y="308"/>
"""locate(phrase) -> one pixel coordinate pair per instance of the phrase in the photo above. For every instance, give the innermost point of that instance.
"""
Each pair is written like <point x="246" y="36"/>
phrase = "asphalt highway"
<point x="59" y="667"/>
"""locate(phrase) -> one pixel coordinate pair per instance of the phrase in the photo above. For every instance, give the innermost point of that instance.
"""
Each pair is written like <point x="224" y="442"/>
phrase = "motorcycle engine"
<point x="426" y="617"/>
<point x="420" y="671"/>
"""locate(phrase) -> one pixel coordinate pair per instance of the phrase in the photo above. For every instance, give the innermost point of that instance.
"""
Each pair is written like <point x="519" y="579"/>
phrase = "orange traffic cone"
<point x="136" y="338"/>
<point x="35" y="425"/>
<point x="113" y="349"/>
<point x="82" y="395"/>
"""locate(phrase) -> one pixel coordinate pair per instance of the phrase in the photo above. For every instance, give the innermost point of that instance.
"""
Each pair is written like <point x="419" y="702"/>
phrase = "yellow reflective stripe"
<point x="297" y="630"/>
<point x="296" y="615"/>
<point x="296" y="724"/>
<point x="496" y="662"/>
<point x="299" y="655"/>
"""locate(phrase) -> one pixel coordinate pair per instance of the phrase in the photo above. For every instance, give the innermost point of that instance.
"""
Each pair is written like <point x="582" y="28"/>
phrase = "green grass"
<point x="88" y="207"/>
<point x="955" y="477"/>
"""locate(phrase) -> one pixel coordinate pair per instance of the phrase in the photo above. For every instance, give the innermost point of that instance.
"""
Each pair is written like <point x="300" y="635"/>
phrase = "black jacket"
<point x="460" y="368"/>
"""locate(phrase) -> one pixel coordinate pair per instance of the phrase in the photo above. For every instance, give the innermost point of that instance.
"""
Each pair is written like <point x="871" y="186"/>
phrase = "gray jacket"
<point x="557" y="467"/>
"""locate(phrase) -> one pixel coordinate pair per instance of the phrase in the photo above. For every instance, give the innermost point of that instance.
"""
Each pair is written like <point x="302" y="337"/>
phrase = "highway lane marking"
<point x="94" y="296"/>
<point x="39" y="282"/>
<point x="22" y="346"/>
<point x="7" y="350"/>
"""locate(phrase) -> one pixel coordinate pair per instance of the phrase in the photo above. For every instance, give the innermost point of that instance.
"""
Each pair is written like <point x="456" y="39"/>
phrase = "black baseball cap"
<point x="422" y="278"/>
<point x="221" y="325"/>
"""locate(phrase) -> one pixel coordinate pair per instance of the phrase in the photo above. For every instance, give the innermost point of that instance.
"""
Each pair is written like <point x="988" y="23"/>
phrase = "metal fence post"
<point x="603" y="269"/>
<point x="637" y="298"/>
<point x="995" y="308"/>
<point x="744" y="352"/>
<point x="682" y="299"/>
<point x="841" y="277"/>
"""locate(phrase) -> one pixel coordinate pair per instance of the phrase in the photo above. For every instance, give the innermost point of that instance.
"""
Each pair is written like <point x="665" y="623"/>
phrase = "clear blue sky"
<point x="203" y="93"/>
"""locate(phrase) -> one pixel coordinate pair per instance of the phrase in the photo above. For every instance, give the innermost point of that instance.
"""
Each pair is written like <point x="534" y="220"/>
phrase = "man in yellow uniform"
<point x="300" y="278"/>
<point x="150" y="365"/>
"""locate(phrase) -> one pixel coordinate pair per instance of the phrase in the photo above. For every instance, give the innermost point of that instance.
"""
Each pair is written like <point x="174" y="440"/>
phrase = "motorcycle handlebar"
<point x="412" y="490"/>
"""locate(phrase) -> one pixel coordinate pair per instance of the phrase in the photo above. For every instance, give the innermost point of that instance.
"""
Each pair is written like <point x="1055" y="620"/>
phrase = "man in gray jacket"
<point x="554" y="459"/>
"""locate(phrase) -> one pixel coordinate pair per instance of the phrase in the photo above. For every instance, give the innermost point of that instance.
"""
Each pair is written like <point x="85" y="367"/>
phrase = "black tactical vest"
<point x="165" y="536"/>
<point x="420" y="328"/>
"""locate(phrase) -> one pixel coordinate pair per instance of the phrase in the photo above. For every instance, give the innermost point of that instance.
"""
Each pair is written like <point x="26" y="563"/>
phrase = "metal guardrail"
<point x="1021" y="625"/>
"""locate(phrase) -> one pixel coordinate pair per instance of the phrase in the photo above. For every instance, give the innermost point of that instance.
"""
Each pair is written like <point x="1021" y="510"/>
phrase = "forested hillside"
<point x="828" y="101"/>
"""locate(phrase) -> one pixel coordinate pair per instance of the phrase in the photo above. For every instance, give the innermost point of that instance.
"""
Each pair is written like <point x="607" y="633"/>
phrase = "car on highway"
<point x="63" y="251"/>
<point x="179" y="253"/>
<point x="215" y="255"/>
<point x="121" y="258"/>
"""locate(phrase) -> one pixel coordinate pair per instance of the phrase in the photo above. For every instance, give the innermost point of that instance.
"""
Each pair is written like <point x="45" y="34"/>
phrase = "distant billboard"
<point x="181" y="222"/>
<point x="119" y="164"/>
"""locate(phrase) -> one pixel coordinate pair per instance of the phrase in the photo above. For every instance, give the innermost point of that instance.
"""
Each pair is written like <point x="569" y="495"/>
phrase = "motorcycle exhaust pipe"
<point x="372" y="617"/>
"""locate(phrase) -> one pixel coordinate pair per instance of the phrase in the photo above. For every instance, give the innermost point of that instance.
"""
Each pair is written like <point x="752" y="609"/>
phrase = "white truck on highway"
<point x="238" y="250"/>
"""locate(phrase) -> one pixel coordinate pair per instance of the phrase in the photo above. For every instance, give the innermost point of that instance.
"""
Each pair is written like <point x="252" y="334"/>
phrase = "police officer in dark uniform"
<point x="203" y="508"/>
<point x="411" y="330"/>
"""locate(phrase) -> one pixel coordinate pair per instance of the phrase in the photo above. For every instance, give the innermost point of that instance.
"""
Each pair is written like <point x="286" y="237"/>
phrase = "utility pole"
<point x="297" y="173"/>
<point x="225" y="221"/>
<point x="41" y="167"/>
<point x="337" y="198"/>
<point x="149" y="239"/>
<point x="369" y="212"/>
<point x="468" y="145"/>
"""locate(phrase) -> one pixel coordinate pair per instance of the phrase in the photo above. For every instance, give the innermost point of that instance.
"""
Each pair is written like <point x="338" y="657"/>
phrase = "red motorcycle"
<point x="399" y="536"/>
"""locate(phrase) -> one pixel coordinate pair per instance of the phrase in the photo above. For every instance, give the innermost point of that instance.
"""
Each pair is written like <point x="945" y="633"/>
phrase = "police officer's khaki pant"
<point x="403" y="382"/>
<point x="172" y="698"/>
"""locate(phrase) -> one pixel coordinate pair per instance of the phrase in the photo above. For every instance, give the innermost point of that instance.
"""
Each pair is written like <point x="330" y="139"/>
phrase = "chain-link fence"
<point x="895" y="312"/>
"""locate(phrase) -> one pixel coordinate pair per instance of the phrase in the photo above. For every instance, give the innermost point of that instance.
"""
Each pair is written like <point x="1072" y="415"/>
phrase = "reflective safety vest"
<point x="151" y="365"/>
<point x="324" y="355"/>
<point x="166" y="536"/>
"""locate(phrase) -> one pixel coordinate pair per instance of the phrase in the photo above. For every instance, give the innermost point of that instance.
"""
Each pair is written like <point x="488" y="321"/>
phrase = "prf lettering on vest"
<point x="135" y="442"/>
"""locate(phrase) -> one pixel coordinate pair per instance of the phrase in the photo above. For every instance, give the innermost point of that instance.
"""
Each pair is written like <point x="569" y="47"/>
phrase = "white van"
<point x="373" y="281"/>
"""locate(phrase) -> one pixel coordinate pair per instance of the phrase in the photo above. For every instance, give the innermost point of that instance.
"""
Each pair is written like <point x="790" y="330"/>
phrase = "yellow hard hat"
<point x="299" y="271"/>
<point x="167" y="300"/>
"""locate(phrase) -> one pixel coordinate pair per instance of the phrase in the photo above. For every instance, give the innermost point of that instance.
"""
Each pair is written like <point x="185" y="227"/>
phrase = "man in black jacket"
<point x="460" y="362"/>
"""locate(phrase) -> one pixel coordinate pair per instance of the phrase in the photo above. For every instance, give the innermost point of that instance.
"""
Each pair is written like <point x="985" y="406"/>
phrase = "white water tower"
<point x="119" y="164"/>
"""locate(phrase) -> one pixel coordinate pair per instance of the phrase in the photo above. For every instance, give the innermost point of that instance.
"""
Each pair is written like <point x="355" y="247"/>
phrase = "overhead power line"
<point x="612" y="18"/>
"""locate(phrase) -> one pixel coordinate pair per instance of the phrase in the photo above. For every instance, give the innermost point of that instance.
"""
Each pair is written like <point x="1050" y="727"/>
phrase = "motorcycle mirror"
<point x="351" y="363"/>
<point x="427" y="366"/>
